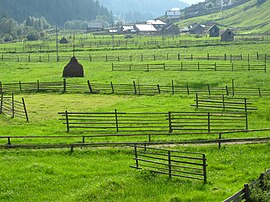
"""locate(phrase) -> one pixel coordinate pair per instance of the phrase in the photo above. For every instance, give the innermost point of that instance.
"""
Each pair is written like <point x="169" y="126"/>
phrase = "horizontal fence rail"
<point x="13" y="108"/>
<point x="223" y="103"/>
<point x="198" y="66"/>
<point x="43" y="57"/>
<point x="171" y="162"/>
<point x="169" y="122"/>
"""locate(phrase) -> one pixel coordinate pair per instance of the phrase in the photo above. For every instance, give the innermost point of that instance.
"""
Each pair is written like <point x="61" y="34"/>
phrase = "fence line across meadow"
<point x="158" y="122"/>
<point x="134" y="88"/>
<point x="258" y="57"/>
<point x="189" y="67"/>
<point x="124" y="43"/>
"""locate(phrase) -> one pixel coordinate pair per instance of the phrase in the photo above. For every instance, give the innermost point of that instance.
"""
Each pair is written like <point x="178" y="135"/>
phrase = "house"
<point x="170" y="29"/>
<point x="196" y="29"/>
<point x="145" y="29"/>
<point x="227" y="35"/>
<point x="158" y="24"/>
<point x="63" y="40"/>
<point x="214" y="31"/>
<point x="173" y="13"/>
<point x="127" y="29"/>
<point x="94" y="26"/>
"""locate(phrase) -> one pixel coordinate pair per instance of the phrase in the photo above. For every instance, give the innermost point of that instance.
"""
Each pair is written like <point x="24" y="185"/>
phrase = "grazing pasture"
<point x="95" y="174"/>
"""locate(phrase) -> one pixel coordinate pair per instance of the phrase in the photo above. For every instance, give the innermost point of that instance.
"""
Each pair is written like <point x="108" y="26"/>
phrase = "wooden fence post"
<point x="223" y="102"/>
<point x="265" y="67"/>
<point x="136" y="156"/>
<point x="1" y="87"/>
<point x="112" y="87"/>
<point x="179" y="56"/>
<point x="20" y="86"/>
<point x="158" y="87"/>
<point x="12" y="105"/>
<point x="25" y="111"/>
<point x="67" y="123"/>
<point x="204" y="169"/>
<point x="219" y="140"/>
<point x="198" y="66"/>
<point x="233" y="87"/>
<point x="89" y="86"/>
<point x="208" y="122"/>
<point x="197" y="101"/>
<point x="169" y="164"/>
<point x="247" y="193"/>
<point x="209" y="90"/>
<point x="64" y="85"/>
<point x="112" y="67"/>
<point x="172" y="87"/>
<point x="259" y="89"/>
<point x="170" y="122"/>
<point x="134" y="86"/>
<point x="1" y="102"/>
<point x="37" y="85"/>
<point x="187" y="89"/>
<point x="246" y="111"/>
<point x="116" y="120"/>
<point x="227" y="91"/>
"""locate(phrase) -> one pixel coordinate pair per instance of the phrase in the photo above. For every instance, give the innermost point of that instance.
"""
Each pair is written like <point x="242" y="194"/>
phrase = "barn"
<point x="213" y="31"/>
<point x="227" y="35"/>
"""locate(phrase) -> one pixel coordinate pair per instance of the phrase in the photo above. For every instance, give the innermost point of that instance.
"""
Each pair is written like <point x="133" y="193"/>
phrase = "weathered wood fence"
<point x="163" y="122"/>
<point x="223" y="102"/>
<point x="135" y="88"/>
<point x="171" y="162"/>
<point x="198" y="66"/>
<point x="13" y="108"/>
<point x="244" y="194"/>
<point x="43" y="57"/>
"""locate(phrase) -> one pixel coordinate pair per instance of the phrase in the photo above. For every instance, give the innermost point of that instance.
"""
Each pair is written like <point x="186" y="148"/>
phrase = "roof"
<point x="224" y="31"/>
<point x="146" y="28"/>
<point x="128" y="27"/>
<point x="94" y="25"/>
<point x="174" y="10"/>
<point x="155" y="22"/>
<point x="214" y="26"/>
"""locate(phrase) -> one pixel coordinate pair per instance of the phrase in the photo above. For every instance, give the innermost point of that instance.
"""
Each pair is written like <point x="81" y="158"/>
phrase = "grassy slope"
<point x="248" y="17"/>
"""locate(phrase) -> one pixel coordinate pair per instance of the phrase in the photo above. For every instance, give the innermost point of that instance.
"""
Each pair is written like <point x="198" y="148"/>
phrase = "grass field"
<point x="103" y="174"/>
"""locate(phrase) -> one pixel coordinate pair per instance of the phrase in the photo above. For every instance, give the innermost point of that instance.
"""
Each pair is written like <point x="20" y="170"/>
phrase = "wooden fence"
<point x="169" y="122"/>
<point x="134" y="88"/>
<point x="13" y="108"/>
<point x="223" y="102"/>
<point x="244" y="194"/>
<point x="198" y="66"/>
<point x="171" y="162"/>
<point x="43" y="57"/>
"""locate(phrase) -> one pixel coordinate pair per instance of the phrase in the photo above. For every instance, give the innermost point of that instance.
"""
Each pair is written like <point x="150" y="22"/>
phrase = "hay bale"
<point x="73" y="69"/>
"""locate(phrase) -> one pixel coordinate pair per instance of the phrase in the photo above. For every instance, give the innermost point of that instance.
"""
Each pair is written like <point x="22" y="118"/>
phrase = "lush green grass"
<point x="104" y="175"/>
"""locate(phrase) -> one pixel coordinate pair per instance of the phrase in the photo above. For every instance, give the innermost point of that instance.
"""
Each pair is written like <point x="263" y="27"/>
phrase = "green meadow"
<point x="103" y="174"/>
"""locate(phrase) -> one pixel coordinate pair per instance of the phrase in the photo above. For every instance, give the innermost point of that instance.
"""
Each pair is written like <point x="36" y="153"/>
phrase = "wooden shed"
<point x="227" y="35"/>
<point x="214" y="31"/>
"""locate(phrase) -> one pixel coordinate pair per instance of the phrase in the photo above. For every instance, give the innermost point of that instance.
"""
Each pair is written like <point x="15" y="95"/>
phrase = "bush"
<point x="32" y="36"/>
<point x="260" y="191"/>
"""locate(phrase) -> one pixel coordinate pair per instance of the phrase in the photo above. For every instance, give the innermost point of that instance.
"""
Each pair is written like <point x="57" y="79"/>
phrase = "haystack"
<point x="73" y="69"/>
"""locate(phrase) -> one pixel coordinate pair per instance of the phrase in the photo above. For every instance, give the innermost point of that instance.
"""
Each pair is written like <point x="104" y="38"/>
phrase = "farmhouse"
<point x="170" y="29"/>
<point x="94" y="26"/>
<point x="196" y="29"/>
<point x="173" y="13"/>
<point x="227" y="35"/>
<point x="145" y="29"/>
<point x="158" y="24"/>
<point x="214" y="31"/>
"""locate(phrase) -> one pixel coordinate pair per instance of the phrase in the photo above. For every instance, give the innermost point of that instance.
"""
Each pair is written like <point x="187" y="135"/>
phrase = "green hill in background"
<point x="250" y="17"/>
<point x="55" y="11"/>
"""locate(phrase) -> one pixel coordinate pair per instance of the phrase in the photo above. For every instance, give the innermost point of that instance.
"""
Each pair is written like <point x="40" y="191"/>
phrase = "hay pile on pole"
<point x="73" y="69"/>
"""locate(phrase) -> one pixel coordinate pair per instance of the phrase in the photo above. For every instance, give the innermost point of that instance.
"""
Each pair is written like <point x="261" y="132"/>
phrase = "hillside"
<point x="55" y="11"/>
<point x="137" y="10"/>
<point x="250" y="17"/>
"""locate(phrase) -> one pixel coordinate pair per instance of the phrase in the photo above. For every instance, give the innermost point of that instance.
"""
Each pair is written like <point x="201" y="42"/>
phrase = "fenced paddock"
<point x="133" y="88"/>
<point x="147" y="122"/>
<point x="223" y="103"/>
<point x="13" y="108"/>
<point x="44" y="57"/>
<point x="171" y="162"/>
<point x="198" y="66"/>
